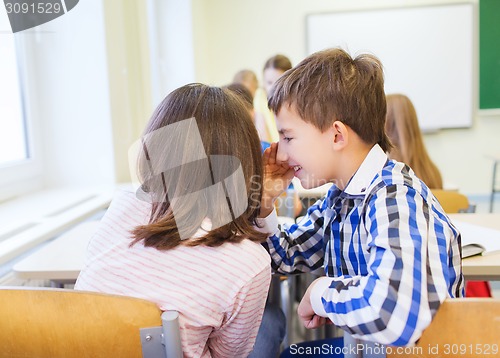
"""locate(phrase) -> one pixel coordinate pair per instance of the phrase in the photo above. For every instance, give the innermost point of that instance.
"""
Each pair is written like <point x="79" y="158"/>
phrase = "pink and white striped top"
<point x="220" y="292"/>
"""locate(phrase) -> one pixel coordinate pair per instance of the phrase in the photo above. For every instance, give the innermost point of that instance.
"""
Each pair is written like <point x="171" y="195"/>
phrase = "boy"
<point x="390" y="254"/>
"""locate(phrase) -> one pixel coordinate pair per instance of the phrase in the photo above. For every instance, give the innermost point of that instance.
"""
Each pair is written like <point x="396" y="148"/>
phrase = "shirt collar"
<point x="374" y="162"/>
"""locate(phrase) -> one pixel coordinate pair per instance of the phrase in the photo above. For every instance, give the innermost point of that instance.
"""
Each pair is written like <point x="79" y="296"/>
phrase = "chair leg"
<point x="171" y="334"/>
<point x="286" y="295"/>
<point x="493" y="190"/>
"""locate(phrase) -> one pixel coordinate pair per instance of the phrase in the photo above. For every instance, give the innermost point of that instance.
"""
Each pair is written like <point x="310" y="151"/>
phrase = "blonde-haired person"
<point x="404" y="132"/>
<point x="247" y="78"/>
<point x="180" y="240"/>
<point x="274" y="67"/>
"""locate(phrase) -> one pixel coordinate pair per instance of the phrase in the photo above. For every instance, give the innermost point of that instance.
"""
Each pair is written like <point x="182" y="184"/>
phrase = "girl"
<point x="402" y="129"/>
<point x="186" y="239"/>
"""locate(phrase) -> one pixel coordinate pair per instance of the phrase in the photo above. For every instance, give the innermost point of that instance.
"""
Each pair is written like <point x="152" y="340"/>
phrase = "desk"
<point x="61" y="260"/>
<point x="480" y="268"/>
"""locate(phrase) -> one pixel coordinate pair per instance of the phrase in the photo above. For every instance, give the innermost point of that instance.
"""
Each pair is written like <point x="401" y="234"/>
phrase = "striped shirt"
<point x="390" y="253"/>
<point x="220" y="292"/>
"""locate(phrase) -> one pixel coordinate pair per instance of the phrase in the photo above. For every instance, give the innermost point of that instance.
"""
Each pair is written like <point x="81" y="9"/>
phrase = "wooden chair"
<point x="461" y="328"/>
<point x="52" y="323"/>
<point x="453" y="201"/>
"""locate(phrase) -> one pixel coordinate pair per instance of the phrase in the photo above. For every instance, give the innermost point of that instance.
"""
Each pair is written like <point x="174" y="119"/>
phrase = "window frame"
<point x="23" y="176"/>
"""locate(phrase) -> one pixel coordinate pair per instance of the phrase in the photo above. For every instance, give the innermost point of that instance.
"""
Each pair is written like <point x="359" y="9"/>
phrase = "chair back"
<point x="461" y="328"/>
<point x="453" y="202"/>
<point x="52" y="323"/>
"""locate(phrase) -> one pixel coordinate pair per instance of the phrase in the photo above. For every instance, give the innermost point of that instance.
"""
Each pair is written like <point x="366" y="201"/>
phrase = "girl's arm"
<point x="237" y="335"/>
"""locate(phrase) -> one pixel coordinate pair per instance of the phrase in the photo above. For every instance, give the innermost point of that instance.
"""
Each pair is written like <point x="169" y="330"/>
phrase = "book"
<point x="477" y="240"/>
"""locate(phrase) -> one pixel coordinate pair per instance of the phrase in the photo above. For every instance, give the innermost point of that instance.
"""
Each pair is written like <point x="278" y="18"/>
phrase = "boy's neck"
<point x="350" y="161"/>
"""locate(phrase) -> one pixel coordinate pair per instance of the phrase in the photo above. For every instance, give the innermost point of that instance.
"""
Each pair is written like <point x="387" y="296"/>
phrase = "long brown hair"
<point x="177" y="192"/>
<point x="404" y="132"/>
<point x="330" y="86"/>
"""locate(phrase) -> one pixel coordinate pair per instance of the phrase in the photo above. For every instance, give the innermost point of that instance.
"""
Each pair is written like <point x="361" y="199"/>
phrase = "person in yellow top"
<point x="274" y="67"/>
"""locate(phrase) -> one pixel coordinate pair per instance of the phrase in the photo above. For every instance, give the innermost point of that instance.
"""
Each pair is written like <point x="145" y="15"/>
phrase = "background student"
<point x="274" y="67"/>
<point x="247" y="98"/>
<point x="174" y="241"/>
<point x="382" y="284"/>
<point x="247" y="78"/>
<point x="404" y="132"/>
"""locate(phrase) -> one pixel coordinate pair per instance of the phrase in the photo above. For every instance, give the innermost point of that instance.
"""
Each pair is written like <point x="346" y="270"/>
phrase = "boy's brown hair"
<point x="330" y="85"/>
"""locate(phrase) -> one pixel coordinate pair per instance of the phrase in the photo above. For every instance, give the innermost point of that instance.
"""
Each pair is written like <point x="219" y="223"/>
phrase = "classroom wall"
<point x="462" y="154"/>
<point x="231" y="35"/>
<point x="226" y="36"/>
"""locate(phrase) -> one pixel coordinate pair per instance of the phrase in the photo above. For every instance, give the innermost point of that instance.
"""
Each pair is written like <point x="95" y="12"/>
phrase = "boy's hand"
<point x="306" y="313"/>
<point x="277" y="177"/>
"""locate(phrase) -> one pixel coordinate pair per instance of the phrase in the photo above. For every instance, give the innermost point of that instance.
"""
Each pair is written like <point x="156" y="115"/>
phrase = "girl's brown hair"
<point x="404" y="132"/>
<point x="330" y="86"/>
<point x="226" y="131"/>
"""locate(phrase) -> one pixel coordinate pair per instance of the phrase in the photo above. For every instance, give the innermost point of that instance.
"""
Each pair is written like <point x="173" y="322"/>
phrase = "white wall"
<point x="461" y="154"/>
<point x="231" y="35"/>
<point x="170" y="29"/>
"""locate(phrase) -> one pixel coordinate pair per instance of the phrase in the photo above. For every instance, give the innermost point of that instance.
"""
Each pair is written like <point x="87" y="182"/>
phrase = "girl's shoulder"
<point x="247" y="257"/>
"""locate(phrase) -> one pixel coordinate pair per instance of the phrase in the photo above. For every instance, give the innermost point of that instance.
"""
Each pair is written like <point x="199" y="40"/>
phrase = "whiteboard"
<point x="427" y="53"/>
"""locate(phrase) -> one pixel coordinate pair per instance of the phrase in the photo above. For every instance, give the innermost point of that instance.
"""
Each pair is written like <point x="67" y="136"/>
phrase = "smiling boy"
<point x="389" y="252"/>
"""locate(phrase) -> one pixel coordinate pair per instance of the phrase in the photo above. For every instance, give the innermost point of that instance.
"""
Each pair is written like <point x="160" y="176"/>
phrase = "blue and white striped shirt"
<point x="390" y="253"/>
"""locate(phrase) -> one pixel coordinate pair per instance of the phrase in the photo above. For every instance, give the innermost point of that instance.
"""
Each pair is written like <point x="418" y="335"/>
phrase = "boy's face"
<point x="306" y="149"/>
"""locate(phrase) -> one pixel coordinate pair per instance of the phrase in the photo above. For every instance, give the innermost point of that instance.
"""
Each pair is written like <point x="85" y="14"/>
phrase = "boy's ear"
<point x="340" y="135"/>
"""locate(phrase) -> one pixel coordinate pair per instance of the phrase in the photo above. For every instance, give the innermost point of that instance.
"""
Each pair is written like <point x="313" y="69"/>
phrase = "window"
<point x="17" y="165"/>
<point x="13" y="146"/>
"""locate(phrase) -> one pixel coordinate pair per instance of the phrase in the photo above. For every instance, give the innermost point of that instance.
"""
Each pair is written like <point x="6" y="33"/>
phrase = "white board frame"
<point x="429" y="53"/>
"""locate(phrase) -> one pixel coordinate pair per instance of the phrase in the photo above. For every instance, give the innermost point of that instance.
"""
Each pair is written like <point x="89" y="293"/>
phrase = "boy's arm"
<point x="299" y="248"/>
<point x="409" y="272"/>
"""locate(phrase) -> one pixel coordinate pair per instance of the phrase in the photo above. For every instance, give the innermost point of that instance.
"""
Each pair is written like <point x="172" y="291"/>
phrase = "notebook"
<point x="478" y="239"/>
